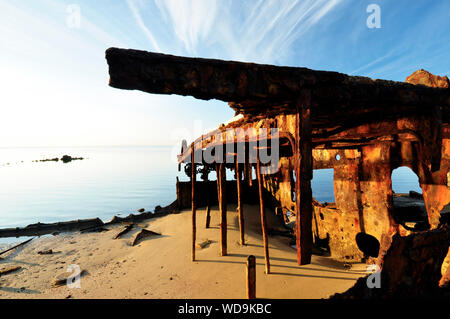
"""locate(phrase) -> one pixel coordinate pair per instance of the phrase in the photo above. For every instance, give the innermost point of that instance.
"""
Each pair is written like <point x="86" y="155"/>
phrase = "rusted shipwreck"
<point x="360" y="127"/>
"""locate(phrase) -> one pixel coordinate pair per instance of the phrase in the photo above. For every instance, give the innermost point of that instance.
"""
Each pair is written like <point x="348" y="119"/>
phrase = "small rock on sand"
<point x="141" y="210"/>
<point x="45" y="252"/>
<point x="204" y="244"/>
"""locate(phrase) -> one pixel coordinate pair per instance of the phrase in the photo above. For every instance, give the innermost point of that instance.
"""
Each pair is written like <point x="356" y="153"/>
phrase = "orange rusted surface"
<point x="362" y="177"/>
<point x="360" y="127"/>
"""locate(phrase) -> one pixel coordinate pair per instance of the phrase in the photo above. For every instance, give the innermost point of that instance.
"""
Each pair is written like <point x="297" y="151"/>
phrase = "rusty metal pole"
<point x="221" y="179"/>
<point x="194" y="204"/>
<point x="249" y="174"/>
<point x="263" y="215"/>
<point x="218" y="184"/>
<point x="303" y="174"/>
<point x="179" y="201"/>
<point x="248" y="166"/>
<point x="208" y="215"/>
<point x="223" y="213"/>
<point x="251" y="277"/>
<point x="240" y="204"/>
<point x="208" y="205"/>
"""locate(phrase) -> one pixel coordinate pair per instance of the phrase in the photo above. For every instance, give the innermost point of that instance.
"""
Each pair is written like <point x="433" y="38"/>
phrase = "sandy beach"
<point x="160" y="266"/>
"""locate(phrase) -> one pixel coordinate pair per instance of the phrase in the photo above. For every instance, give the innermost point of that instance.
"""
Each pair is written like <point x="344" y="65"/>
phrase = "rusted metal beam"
<point x="303" y="174"/>
<point x="263" y="216"/>
<point x="194" y="204"/>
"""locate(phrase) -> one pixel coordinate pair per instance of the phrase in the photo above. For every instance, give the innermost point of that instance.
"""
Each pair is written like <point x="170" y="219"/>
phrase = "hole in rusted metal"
<point x="322" y="185"/>
<point x="368" y="244"/>
<point x="409" y="207"/>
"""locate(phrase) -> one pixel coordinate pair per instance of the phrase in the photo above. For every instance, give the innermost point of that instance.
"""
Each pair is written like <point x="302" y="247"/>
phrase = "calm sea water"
<point x="110" y="181"/>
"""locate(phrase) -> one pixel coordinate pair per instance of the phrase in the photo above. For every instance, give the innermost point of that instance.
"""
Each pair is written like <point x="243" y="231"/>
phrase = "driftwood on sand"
<point x="40" y="229"/>
<point x="46" y="252"/>
<point x="8" y="270"/>
<point x="85" y="225"/>
<point x="143" y="234"/>
<point x="16" y="246"/>
<point x="124" y="231"/>
<point x="95" y="229"/>
<point x="171" y="209"/>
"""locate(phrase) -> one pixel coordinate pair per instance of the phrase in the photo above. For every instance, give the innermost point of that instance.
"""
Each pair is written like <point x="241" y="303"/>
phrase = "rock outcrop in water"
<point x="64" y="159"/>
<point x="68" y="158"/>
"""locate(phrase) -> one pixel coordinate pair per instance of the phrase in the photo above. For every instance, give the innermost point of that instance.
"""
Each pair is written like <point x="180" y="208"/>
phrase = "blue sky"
<point x="54" y="78"/>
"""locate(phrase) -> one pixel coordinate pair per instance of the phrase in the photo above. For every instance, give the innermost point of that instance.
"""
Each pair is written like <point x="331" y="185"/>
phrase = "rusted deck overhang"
<point x="254" y="89"/>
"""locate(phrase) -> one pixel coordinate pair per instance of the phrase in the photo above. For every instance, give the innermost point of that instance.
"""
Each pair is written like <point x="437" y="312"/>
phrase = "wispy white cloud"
<point x="260" y="31"/>
<point x="135" y="10"/>
<point x="57" y="76"/>
<point x="371" y="63"/>
<point x="191" y="20"/>
<point x="278" y="24"/>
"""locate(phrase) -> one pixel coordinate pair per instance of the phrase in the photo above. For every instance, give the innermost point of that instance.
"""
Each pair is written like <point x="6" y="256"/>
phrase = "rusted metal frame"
<point x="263" y="215"/>
<point x="198" y="147"/>
<point x="303" y="172"/>
<point x="344" y="146"/>
<point x="367" y="138"/>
